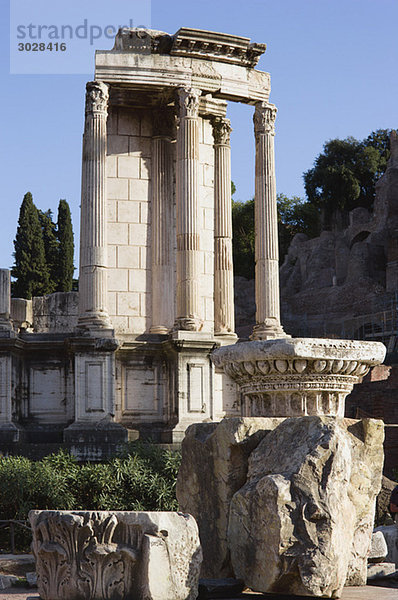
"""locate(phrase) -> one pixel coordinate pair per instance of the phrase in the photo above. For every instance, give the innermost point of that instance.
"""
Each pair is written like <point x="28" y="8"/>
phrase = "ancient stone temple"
<point x="132" y="352"/>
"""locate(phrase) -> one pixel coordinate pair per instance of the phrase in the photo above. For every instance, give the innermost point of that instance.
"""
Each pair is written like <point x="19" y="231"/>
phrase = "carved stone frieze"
<point x="88" y="555"/>
<point x="264" y="118"/>
<point x="97" y="96"/>
<point x="295" y="377"/>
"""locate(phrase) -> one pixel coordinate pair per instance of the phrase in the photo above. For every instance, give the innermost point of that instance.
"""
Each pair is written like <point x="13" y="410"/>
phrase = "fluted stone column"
<point x="266" y="227"/>
<point x="162" y="222"/>
<point x="187" y="198"/>
<point x="5" y="299"/>
<point x="224" y="318"/>
<point x="93" y="248"/>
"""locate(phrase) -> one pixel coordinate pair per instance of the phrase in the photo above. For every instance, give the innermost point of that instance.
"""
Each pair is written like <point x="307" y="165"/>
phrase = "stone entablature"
<point x="216" y="63"/>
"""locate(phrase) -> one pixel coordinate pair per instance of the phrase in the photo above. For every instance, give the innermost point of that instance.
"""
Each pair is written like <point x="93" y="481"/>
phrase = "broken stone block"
<point x="302" y="523"/>
<point x="378" y="548"/>
<point x="31" y="578"/>
<point x="83" y="555"/>
<point x="213" y="468"/>
<point x="390" y="533"/>
<point x="7" y="581"/>
<point x="380" y="570"/>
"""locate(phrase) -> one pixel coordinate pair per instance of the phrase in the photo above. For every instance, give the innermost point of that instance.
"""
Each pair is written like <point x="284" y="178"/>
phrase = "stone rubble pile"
<point x="377" y="567"/>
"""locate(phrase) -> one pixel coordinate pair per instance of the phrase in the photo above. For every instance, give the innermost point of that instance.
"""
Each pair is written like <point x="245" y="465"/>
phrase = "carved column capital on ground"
<point x="97" y="96"/>
<point x="188" y="102"/>
<point x="221" y="131"/>
<point x="264" y="118"/>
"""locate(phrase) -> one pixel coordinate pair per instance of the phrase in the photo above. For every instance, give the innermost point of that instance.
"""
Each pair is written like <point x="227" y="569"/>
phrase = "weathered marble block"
<point x="214" y="467"/>
<point x="302" y="523"/>
<point x="87" y="555"/>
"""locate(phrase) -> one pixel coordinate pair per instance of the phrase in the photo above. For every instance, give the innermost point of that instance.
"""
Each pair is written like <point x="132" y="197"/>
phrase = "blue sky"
<point x="333" y="68"/>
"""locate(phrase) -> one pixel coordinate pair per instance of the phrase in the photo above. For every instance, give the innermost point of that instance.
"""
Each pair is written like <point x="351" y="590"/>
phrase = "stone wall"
<point x="129" y="229"/>
<point x="128" y="163"/>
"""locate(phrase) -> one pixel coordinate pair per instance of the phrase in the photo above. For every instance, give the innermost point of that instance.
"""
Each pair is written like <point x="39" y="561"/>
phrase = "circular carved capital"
<point x="188" y="99"/>
<point x="97" y="96"/>
<point x="264" y="118"/>
<point x="221" y="131"/>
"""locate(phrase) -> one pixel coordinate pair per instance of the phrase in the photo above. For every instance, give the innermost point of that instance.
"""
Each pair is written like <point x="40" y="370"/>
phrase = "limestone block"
<point x="139" y="189"/>
<point x="128" y="166"/>
<point x="138" y="234"/>
<point x="118" y="280"/>
<point x="139" y="146"/>
<point x="7" y="581"/>
<point x="128" y="304"/>
<point x="302" y="523"/>
<point x="378" y="548"/>
<point x="118" y="233"/>
<point x="144" y="212"/>
<point x="128" y="257"/>
<point x="118" y="189"/>
<point x="83" y="555"/>
<point x="111" y="211"/>
<point x="213" y="468"/>
<point x="128" y="211"/>
<point x="138" y="280"/>
<point x="390" y="533"/>
<point x="117" y="145"/>
<point x="129" y="122"/>
<point x="380" y="570"/>
<point x="111" y="166"/>
<point x="31" y="578"/>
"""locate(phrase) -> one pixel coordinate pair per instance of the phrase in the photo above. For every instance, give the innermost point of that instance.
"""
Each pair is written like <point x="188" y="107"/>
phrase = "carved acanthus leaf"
<point x="221" y="131"/>
<point x="97" y="96"/>
<point x="264" y="118"/>
<point x="188" y="99"/>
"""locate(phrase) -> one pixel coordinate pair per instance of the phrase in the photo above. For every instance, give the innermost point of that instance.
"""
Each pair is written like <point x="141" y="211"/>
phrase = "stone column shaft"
<point x="5" y="299"/>
<point x="93" y="245"/>
<point x="224" y="318"/>
<point x="187" y="198"/>
<point x="162" y="226"/>
<point x="266" y="227"/>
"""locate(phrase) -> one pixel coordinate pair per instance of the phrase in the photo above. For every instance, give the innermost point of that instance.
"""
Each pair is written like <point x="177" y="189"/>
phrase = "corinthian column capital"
<point x="221" y="131"/>
<point x="264" y="118"/>
<point x="97" y="96"/>
<point x="188" y="99"/>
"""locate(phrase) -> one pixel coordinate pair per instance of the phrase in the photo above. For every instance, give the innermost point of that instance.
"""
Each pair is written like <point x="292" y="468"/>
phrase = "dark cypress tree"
<point x="66" y="248"/>
<point x="51" y="248"/>
<point x="30" y="268"/>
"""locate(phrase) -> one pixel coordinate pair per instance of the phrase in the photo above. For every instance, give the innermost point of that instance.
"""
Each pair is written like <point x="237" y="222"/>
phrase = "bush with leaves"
<point x="142" y="477"/>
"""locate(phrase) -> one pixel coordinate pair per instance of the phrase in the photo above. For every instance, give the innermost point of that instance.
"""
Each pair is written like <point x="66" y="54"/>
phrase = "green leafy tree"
<point x="344" y="176"/>
<point x="295" y="215"/>
<point x="65" y="266"/>
<point x="30" y="268"/>
<point x="243" y="238"/>
<point x="51" y="248"/>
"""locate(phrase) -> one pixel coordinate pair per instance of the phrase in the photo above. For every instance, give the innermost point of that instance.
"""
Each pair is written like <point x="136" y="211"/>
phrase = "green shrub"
<point x="142" y="477"/>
